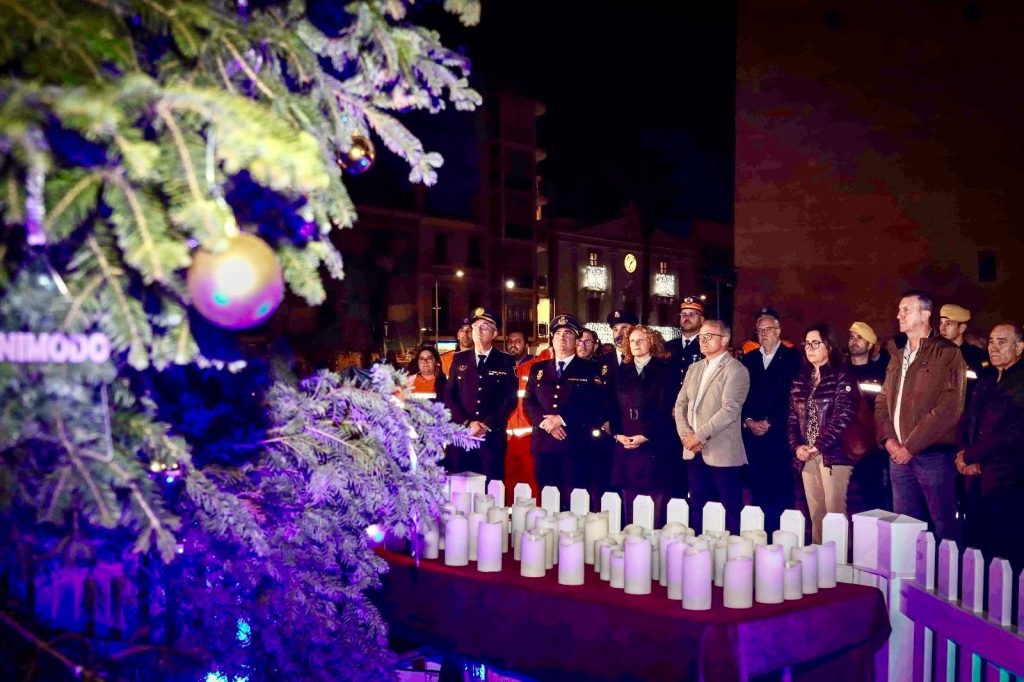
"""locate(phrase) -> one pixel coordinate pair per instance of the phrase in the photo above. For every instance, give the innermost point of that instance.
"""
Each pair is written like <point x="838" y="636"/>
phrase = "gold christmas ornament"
<point x="239" y="287"/>
<point x="360" y="156"/>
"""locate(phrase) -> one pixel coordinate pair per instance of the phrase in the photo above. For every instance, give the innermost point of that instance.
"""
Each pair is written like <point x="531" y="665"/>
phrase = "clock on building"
<point x="629" y="262"/>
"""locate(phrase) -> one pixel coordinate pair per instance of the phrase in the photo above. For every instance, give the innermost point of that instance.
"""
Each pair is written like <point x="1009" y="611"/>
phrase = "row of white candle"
<point x="745" y="566"/>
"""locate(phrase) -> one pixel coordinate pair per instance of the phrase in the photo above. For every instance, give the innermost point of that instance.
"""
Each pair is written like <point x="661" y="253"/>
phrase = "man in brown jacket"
<point x="916" y="417"/>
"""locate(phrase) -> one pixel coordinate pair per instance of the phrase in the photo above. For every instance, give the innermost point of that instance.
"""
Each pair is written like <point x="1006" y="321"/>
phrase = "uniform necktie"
<point x="480" y="361"/>
<point x="561" y="368"/>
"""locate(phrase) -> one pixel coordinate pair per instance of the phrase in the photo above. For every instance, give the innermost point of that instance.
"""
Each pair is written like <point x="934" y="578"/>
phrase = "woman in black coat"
<point x="643" y="391"/>
<point x="823" y="403"/>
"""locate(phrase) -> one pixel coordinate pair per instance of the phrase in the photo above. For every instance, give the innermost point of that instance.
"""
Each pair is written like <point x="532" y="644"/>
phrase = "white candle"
<point x="738" y="591"/>
<point x="637" y="551"/>
<point x="517" y="545"/>
<point x="618" y="569"/>
<point x="717" y="534"/>
<point x="431" y="539"/>
<point x="550" y="553"/>
<point x="759" y="537"/>
<point x="788" y="541"/>
<point x="475" y="519"/>
<point x="456" y="541"/>
<point x="674" y="568"/>
<point x="769" y="570"/>
<point x="481" y="502"/>
<point x="549" y="526"/>
<point x="697" y="574"/>
<point x="567" y="522"/>
<point x="534" y="516"/>
<point x="496" y="515"/>
<point x="570" y="559"/>
<point x="488" y="547"/>
<point x="698" y="543"/>
<point x="633" y="529"/>
<point x="447" y="509"/>
<point x="809" y="568"/>
<point x="594" y="529"/>
<point x="655" y="538"/>
<point x="463" y="502"/>
<point x="720" y="554"/>
<point x="532" y="565"/>
<point x="603" y="542"/>
<point x="519" y="509"/>
<point x="827" y="564"/>
<point x="739" y="546"/>
<point x="606" y="560"/>
<point x="792" y="583"/>
<point x="667" y="537"/>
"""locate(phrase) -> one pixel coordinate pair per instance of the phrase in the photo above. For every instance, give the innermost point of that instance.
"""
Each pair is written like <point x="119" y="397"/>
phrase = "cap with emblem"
<point x="486" y="315"/>
<point x="865" y="332"/>
<point x="465" y="322"/>
<point x="955" y="313"/>
<point x="692" y="303"/>
<point x="567" y="321"/>
<point x="766" y="312"/>
<point x="622" y="317"/>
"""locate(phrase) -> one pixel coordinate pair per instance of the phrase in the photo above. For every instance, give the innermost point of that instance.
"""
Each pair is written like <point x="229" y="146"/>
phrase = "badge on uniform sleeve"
<point x="604" y="369"/>
<point x="540" y="373"/>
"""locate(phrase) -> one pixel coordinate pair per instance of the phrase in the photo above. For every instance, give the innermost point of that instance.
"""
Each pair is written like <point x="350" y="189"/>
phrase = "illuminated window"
<point x="594" y="259"/>
<point x="663" y="267"/>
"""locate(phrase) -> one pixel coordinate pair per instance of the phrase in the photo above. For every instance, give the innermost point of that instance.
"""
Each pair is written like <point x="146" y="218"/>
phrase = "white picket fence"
<point x="941" y="628"/>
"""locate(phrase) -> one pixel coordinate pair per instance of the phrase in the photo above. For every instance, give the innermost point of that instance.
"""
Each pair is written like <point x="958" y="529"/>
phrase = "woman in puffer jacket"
<point x="823" y="402"/>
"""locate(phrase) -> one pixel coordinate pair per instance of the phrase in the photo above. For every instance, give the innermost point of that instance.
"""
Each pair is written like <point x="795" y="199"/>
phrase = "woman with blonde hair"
<point x="643" y="391"/>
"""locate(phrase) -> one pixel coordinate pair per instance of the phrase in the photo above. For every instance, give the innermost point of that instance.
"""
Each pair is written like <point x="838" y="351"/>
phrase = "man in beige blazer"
<point x="707" y="414"/>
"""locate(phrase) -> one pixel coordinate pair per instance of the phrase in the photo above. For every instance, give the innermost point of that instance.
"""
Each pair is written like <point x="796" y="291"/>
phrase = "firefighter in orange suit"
<point x="518" y="460"/>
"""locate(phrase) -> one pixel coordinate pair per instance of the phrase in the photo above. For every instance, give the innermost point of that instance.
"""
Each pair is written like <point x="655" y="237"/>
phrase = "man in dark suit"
<point x="608" y="363"/>
<point x="564" y="402"/>
<point x="772" y="368"/>
<point x="618" y="320"/>
<point x="685" y="350"/>
<point x="481" y="394"/>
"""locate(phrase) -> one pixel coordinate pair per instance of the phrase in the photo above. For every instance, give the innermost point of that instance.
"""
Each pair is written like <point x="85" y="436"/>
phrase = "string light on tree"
<point x="360" y="156"/>
<point x="239" y="287"/>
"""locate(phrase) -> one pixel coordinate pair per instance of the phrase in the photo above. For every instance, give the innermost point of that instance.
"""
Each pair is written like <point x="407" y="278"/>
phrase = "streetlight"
<point x="510" y="284"/>
<point x="459" y="274"/>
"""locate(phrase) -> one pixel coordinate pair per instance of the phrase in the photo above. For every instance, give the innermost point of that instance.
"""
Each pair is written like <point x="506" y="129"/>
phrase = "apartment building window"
<point x="663" y="267"/>
<point x="474" y="258"/>
<point x="594" y="309"/>
<point x="440" y="248"/>
<point x="988" y="270"/>
<point x="593" y="258"/>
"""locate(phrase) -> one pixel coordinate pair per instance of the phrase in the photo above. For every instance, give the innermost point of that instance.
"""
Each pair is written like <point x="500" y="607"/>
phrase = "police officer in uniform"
<point x="618" y="320"/>
<point x="565" y="404"/>
<point x="481" y="394"/>
<point x="685" y="350"/>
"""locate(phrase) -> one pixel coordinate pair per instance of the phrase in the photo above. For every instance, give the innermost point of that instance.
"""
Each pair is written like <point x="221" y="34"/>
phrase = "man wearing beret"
<point x="565" y="404"/>
<point x="869" y="483"/>
<point x="481" y="394"/>
<point x="464" y="337"/>
<point x="771" y="368"/>
<point x="685" y="350"/>
<point x="953" y="321"/>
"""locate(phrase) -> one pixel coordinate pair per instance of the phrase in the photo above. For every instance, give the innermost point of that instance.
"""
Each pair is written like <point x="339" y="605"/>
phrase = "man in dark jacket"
<point x="771" y="368"/>
<point x="685" y="350"/>
<point x="916" y="416"/>
<point x="481" y="394"/>
<point x="993" y="448"/>
<point x="564" y="401"/>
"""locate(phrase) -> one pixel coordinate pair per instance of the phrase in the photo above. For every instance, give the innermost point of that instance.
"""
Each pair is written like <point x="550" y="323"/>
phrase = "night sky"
<point x="640" y="107"/>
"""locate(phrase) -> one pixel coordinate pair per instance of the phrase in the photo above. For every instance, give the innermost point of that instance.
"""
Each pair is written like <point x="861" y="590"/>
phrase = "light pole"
<point x="459" y="274"/>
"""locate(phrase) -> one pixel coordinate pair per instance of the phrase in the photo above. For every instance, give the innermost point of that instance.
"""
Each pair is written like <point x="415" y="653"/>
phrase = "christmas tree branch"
<point x="107" y="518"/>
<point x="78" y="671"/>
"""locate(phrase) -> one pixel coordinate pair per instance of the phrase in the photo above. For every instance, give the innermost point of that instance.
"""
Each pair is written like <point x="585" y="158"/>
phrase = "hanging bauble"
<point x="360" y="156"/>
<point x="239" y="287"/>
